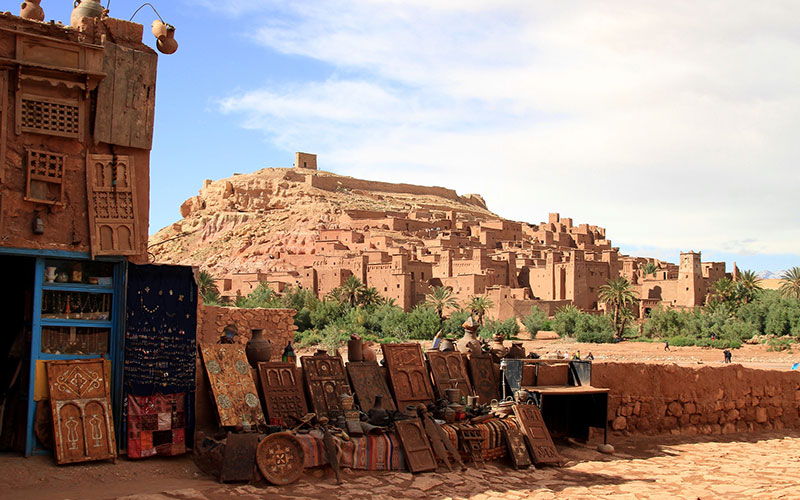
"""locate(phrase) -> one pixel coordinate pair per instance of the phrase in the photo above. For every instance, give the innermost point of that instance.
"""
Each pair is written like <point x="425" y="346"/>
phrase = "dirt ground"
<point x="752" y="466"/>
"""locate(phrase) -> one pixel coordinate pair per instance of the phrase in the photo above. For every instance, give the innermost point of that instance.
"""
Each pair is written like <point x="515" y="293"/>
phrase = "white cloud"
<point x="670" y="123"/>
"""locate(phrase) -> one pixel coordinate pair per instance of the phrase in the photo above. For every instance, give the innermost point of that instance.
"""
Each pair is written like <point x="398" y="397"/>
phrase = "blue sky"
<point x="672" y="124"/>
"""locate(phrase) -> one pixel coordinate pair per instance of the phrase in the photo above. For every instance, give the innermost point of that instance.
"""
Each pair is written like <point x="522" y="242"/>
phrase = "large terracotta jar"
<point x="30" y="9"/>
<point x="85" y="8"/>
<point x="469" y="342"/>
<point x="258" y="348"/>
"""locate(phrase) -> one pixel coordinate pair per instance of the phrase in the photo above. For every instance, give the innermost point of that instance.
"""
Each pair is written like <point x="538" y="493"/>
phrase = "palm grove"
<point x="735" y="311"/>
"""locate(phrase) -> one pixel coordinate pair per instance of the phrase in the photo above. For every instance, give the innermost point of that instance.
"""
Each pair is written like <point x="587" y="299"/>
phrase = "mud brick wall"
<point x="278" y="324"/>
<point x="655" y="399"/>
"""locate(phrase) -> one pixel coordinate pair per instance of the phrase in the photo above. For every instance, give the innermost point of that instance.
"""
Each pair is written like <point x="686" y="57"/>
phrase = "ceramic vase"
<point x="30" y="9"/>
<point x="83" y="9"/>
<point x="468" y="341"/>
<point x="517" y="351"/>
<point x="355" y="350"/>
<point x="258" y="348"/>
<point x="167" y="44"/>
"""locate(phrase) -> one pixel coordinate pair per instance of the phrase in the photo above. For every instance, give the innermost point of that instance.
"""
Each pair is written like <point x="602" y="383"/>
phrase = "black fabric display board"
<point x="161" y="333"/>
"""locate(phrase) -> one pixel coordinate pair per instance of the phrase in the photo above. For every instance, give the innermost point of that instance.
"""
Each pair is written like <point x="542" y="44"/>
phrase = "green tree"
<point x="351" y="290"/>
<point x="790" y="286"/>
<point x="478" y="305"/>
<point x="565" y="320"/>
<point x="748" y="286"/>
<point x="207" y="287"/>
<point x="261" y="296"/>
<point x="618" y="294"/>
<point x="370" y="297"/>
<point x="649" y="268"/>
<point x="534" y="321"/>
<point x="440" y="299"/>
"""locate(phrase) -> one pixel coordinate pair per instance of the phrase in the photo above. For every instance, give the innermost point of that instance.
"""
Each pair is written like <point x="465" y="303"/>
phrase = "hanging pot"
<point x="159" y="29"/>
<point x="83" y="9"/>
<point x="30" y="9"/>
<point x="167" y="44"/>
<point x="258" y="348"/>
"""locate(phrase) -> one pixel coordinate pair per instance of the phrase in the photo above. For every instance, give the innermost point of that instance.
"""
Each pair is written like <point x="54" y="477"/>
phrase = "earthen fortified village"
<point x="447" y="240"/>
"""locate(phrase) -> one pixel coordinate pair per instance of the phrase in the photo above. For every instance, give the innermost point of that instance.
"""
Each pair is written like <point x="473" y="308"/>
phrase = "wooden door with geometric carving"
<point x="532" y="424"/>
<point x="325" y="380"/>
<point x="111" y="192"/>
<point x="83" y="428"/>
<point x="483" y="378"/>
<point x="446" y="367"/>
<point x="408" y="375"/>
<point x="283" y="392"/>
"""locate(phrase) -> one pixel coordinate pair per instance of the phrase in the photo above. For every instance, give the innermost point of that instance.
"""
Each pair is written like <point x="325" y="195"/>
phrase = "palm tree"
<point x="618" y="294"/>
<point x="207" y="285"/>
<point x="369" y="297"/>
<point x="478" y="306"/>
<point x="791" y="283"/>
<point x="649" y="268"/>
<point x="351" y="289"/>
<point x="440" y="299"/>
<point x="748" y="286"/>
<point x="723" y="290"/>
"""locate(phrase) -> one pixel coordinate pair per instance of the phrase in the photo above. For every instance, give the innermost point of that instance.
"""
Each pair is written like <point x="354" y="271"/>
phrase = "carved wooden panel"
<point x="83" y="428"/>
<point x="283" y="391"/>
<point x="126" y="101"/>
<point x="232" y="385"/>
<point x="418" y="453"/>
<point x="447" y="366"/>
<point x="111" y="189"/>
<point x="325" y="380"/>
<point x="49" y="115"/>
<point x="484" y="381"/>
<point x="239" y="460"/>
<point x="541" y="444"/>
<point x="4" y="110"/>
<point x="515" y="442"/>
<point x="45" y="177"/>
<point x="407" y="374"/>
<point x="368" y="381"/>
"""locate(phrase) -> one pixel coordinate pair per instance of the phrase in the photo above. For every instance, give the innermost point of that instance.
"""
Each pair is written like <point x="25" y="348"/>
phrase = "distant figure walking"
<point x="589" y="356"/>
<point x="666" y="345"/>
<point x="728" y="355"/>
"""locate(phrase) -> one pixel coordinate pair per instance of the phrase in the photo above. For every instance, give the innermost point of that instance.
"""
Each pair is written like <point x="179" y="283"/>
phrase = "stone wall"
<point x="278" y="324"/>
<point x="654" y="399"/>
<point x="333" y="183"/>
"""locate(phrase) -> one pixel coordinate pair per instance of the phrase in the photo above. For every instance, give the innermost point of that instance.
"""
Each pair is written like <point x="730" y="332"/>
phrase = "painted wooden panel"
<point x="283" y="391"/>
<point x="408" y="374"/>
<point x="83" y="428"/>
<point x="416" y="448"/>
<point x="447" y="366"/>
<point x="368" y="380"/>
<point x="483" y="378"/>
<point x="126" y="102"/>
<point x="232" y="385"/>
<point x="541" y="444"/>
<point x="111" y="190"/>
<point x="325" y="380"/>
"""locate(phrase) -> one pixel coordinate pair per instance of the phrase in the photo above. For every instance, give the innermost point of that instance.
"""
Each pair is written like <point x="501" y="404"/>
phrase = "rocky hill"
<point x="249" y="222"/>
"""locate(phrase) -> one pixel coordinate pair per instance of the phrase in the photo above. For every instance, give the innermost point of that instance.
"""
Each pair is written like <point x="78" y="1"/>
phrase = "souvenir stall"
<point x="417" y="411"/>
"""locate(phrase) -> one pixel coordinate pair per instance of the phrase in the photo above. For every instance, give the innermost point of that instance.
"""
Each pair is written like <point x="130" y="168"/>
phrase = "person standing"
<point x="666" y="345"/>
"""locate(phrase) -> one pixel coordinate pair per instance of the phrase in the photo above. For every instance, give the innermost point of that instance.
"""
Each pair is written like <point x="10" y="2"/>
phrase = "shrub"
<point x="565" y="320"/>
<point x="780" y="344"/>
<point x="422" y="323"/>
<point x="597" y="337"/>
<point x="452" y="325"/>
<point x="535" y="321"/>
<point x="508" y="328"/>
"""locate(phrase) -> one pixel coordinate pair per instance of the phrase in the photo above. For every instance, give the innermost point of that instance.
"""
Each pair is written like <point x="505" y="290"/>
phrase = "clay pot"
<point x="517" y="351"/>
<point x="258" y="348"/>
<point x="522" y="396"/>
<point x="159" y="29"/>
<point x="447" y="345"/>
<point x="499" y="350"/>
<point x="453" y="395"/>
<point x="84" y="9"/>
<point x="31" y="10"/>
<point x="468" y="341"/>
<point x="449" y="415"/>
<point x="168" y="44"/>
<point x="355" y="350"/>
<point x="377" y="414"/>
<point x="369" y="355"/>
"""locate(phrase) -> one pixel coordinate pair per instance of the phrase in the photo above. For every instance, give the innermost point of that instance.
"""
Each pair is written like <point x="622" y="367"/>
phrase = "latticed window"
<point x="45" y="115"/>
<point x="45" y="177"/>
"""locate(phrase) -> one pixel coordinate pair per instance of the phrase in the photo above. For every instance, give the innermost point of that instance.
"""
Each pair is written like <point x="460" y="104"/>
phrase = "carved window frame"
<point x="55" y="107"/>
<point x="48" y="168"/>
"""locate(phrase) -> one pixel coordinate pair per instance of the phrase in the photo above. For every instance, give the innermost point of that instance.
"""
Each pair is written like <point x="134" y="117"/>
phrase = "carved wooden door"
<point x="283" y="391"/>
<point x="368" y="380"/>
<point x="232" y="385"/>
<point x="83" y="428"/>
<point x="483" y="378"/>
<point x="532" y="424"/>
<point x="418" y="453"/>
<point x="408" y="375"/>
<point x="325" y="379"/>
<point x="111" y="190"/>
<point x="447" y="367"/>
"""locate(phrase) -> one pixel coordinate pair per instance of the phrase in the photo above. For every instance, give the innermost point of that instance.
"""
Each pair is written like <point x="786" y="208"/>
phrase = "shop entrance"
<point x="16" y="315"/>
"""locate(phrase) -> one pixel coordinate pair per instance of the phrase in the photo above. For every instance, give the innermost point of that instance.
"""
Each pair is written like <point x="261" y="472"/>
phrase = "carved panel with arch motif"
<point x="325" y="380"/>
<point x="83" y="428"/>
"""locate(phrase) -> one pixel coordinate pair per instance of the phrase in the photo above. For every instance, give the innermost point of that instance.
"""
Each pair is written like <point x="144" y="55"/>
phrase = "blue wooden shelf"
<point x="77" y="287"/>
<point x="89" y="323"/>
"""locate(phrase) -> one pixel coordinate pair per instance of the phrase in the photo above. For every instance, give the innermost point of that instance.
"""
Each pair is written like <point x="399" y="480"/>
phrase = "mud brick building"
<point x="76" y="127"/>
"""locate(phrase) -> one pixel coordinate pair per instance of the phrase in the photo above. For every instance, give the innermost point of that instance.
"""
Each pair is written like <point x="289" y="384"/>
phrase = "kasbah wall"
<point x="278" y="325"/>
<point x="657" y="399"/>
